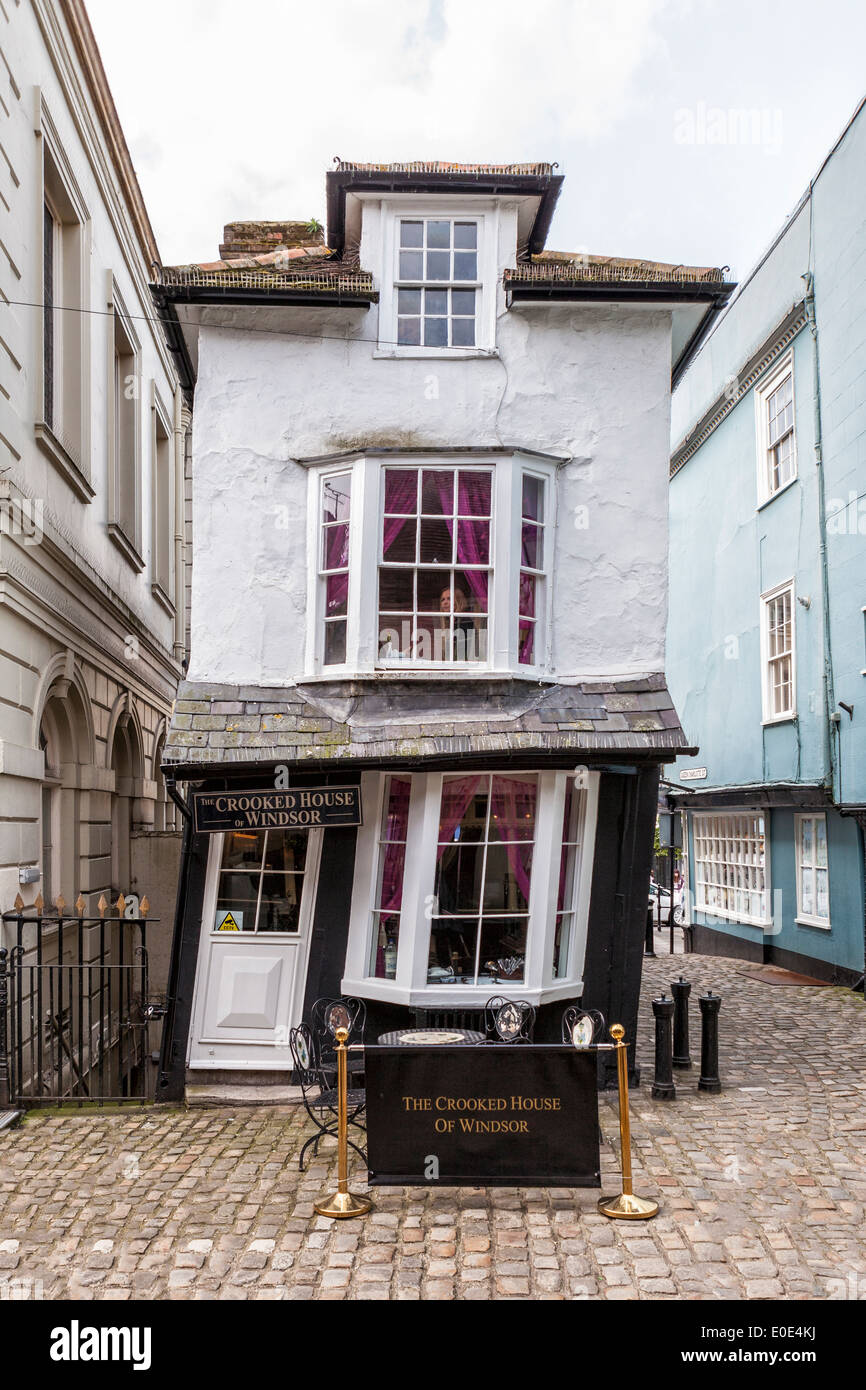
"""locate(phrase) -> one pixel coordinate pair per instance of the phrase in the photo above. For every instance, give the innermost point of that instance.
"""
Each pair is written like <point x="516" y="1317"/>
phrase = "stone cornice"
<point x="739" y="386"/>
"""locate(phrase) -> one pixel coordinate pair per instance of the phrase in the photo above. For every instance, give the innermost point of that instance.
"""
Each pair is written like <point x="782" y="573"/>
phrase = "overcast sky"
<point x="686" y="129"/>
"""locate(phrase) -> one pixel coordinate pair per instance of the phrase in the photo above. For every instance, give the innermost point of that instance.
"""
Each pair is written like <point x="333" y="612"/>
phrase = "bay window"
<point x="430" y="563"/>
<point x="470" y="882"/>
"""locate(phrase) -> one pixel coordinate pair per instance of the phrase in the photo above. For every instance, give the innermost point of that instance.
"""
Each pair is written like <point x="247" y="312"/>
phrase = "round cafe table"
<point x="430" y="1037"/>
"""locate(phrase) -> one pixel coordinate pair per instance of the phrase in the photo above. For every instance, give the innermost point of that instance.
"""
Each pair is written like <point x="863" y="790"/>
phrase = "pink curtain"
<point x="401" y="494"/>
<point x="457" y="793"/>
<point x="513" y="799"/>
<point x="473" y="536"/>
<point x="336" y="557"/>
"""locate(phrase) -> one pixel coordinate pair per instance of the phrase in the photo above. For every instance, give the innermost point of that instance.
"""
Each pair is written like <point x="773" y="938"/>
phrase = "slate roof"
<point x="410" y="721"/>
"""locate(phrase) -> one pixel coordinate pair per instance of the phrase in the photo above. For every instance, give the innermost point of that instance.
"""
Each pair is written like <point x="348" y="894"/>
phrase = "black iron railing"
<point x="74" y="1005"/>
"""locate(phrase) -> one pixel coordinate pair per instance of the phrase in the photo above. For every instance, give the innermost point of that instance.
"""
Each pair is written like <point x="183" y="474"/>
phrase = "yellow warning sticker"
<point x="229" y="921"/>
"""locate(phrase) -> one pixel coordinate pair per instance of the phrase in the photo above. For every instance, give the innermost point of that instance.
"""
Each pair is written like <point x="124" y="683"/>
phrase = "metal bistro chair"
<point x="319" y="1092"/>
<point x="582" y="1027"/>
<point x="509" y="1020"/>
<point x="326" y="1016"/>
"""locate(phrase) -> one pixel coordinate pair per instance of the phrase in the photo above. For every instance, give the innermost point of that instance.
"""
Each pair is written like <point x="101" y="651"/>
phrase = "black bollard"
<point x="648" y="939"/>
<point x="709" y="1078"/>
<point x="663" y="1087"/>
<point x="681" y="989"/>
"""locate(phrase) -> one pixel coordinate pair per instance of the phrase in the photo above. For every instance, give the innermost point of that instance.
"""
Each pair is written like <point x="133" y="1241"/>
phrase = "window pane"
<point x="280" y="906"/>
<point x="411" y="265"/>
<point x="335" y="643"/>
<point x="531" y="546"/>
<point x="408" y="301"/>
<point x="513" y="811"/>
<point x="396" y="588"/>
<point x="411" y="233"/>
<point x="506" y="878"/>
<point x="463" y="813"/>
<point x="437" y="542"/>
<point x="438" y="234"/>
<point x="437" y="492"/>
<point x="465" y="265"/>
<point x="561" y="944"/>
<point x="336" y="595"/>
<point x="462" y="332"/>
<point x="458" y="878"/>
<point x="238" y="894"/>
<point x="435" y="332"/>
<point x="822" y="900"/>
<point x="821" y="842"/>
<point x="401" y="490"/>
<point x="452" y="945"/>
<point x="399" y="540"/>
<point x="435" y="302"/>
<point x="527" y="595"/>
<point x="470" y="591"/>
<point x="466" y="234"/>
<point x="286" y="851"/>
<point x="473" y="542"/>
<point x="503" y="939"/>
<point x="526" y="642"/>
<point x="474" y="493"/>
<point x="385" y="944"/>
<point x="438" y="265"/>
<point x="335" y="543"/>
<point x="244" y="850"/>
<point x="336" y="495"/>
<point x="409" y="332"/>
<point x="462" y="302"/>
<point x="533" y="497"/>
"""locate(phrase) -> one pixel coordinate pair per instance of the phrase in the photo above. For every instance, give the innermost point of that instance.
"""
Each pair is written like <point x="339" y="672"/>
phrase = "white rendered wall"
<point x="590" y="383"/>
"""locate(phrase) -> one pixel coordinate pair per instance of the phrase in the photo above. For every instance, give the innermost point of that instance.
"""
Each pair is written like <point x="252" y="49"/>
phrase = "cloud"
<point x="253" y="107"/>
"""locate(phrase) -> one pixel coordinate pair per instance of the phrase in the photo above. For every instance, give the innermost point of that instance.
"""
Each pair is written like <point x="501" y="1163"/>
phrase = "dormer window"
<point x="437" y="282"/>
<point x="438" y="279"/>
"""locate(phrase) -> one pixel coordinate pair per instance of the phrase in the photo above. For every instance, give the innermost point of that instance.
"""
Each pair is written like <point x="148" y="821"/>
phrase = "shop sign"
<point x="298" y="808"/>
<point x="693" y="774"/>
<point x="490" y="1115"/>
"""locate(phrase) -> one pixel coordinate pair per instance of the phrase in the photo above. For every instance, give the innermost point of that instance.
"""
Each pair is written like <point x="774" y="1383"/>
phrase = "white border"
<point x="782" y="367"/>
<point x="767" y="718"/>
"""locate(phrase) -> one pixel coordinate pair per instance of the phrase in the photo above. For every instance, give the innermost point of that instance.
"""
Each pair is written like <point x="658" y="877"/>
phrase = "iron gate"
<point x="74" y="1005"/>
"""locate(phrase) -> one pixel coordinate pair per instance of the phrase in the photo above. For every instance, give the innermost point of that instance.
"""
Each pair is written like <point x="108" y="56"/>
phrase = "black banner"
<point x="497" y="1115"/>
<point x="301" y="808"/>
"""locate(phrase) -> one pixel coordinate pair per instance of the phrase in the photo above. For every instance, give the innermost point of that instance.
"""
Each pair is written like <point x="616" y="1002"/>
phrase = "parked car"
<point x="660" y="903"/>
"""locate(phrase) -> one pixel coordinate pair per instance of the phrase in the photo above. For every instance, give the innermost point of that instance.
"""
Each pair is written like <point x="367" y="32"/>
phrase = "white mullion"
<point x="362" y="626"/>
<point x="419" y="877"/>
<point x="261" y="880"/>
<point x="365" y="879"/>
<point x="544" y="882"/>
<point x="480" y="923"/>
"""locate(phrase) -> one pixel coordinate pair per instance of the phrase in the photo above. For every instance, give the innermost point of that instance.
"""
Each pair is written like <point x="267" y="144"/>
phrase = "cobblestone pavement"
<point x="762" y="1189"/>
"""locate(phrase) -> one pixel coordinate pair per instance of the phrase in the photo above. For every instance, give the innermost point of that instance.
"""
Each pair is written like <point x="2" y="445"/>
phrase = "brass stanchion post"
<point x="342" y="1203"/>
<point x="625" y="1207"/>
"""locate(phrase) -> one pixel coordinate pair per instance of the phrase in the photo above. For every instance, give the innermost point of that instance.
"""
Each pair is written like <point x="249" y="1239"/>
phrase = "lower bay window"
<point x="470" y="883"/>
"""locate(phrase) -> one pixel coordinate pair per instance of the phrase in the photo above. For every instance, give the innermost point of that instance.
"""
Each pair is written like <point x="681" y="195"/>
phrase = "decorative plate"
<point x="420" y="1036"/>
<point x="338" y="1017"/>
<point x="302" y="1050"/>
<point x="582" y="1032"/>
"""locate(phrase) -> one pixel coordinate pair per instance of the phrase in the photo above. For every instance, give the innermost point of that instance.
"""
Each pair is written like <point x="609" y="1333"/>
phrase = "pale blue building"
<point x="767" y="620"/>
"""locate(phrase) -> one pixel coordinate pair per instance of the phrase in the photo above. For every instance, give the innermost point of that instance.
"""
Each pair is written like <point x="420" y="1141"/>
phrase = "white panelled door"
<point x="255" y="939"/>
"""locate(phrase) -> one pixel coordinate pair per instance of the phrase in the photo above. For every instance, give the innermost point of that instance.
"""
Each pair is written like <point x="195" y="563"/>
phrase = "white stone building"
<point x="430" y="521"/>
<point x="92" y="444"/>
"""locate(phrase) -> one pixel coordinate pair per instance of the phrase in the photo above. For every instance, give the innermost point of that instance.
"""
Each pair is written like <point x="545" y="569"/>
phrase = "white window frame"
<point x="66" y="439"/>
<point x="806" y="919"/>
<point x="763" y="391"/>
<point x="365" y="533"/>
<point x="162" y="520"/>
<point x="711" y="828"/>
<point x="410" y="986"/>
<point x="769" y="715"/>
<point x="486" y="214"/>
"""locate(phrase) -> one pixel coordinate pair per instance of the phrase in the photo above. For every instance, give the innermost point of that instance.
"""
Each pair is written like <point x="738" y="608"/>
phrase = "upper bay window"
<point x="431" y="565"/>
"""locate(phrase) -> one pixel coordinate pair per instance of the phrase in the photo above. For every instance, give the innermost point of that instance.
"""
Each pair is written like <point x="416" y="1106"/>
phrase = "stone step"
<point x="237" y="1093"/>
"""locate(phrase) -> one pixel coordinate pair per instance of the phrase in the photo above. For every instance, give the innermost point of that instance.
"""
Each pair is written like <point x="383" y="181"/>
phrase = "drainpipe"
<point x="830" y="760"/>
<point x="181" y="429"/>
